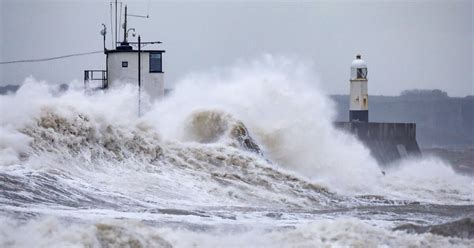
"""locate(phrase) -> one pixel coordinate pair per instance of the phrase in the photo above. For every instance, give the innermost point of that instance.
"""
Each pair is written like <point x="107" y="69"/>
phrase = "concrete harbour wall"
<point x="388" y="142"/>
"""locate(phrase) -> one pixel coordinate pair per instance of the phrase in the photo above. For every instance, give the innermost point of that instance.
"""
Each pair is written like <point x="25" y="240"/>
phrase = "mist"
<point x="414" y="44"/>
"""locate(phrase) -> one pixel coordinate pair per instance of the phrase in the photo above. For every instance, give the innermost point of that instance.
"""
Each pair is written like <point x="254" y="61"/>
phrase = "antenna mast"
<point x="116" y="24"/>
<point x="125" y="26"/>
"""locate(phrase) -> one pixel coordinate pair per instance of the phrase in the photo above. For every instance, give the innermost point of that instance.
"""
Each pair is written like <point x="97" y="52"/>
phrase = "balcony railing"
<point x="95" y="79"/>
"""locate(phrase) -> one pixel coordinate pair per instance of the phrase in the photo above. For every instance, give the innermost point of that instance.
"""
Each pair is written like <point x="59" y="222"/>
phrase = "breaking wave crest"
<point x="94" y="155"/>
<point x="218" y="127"/>
<point x="252" y="142"/>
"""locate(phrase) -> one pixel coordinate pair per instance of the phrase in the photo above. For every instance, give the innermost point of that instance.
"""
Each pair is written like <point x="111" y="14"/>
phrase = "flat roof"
<point x="133" y="51"/>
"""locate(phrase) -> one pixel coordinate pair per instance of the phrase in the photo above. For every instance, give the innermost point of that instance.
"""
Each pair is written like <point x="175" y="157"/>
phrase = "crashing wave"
<point x="53" y="132"/>
<point x="223" y="161"/>
<point x="188" y="169"/>
<point x="214" y="126"/>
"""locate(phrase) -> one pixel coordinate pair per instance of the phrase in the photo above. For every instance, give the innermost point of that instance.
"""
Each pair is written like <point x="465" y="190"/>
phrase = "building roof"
<point x="133" y="51"/>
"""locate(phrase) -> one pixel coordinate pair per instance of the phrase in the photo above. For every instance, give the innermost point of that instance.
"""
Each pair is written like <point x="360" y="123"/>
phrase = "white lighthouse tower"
<point x="359" y="98"/>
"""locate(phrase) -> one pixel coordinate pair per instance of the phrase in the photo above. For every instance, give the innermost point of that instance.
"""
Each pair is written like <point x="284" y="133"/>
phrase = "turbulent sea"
<point x="239" y="157"/>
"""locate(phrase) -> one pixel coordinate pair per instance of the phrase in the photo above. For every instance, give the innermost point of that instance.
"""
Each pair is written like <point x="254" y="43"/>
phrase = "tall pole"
<point x="125" y="26"/>
<point x="116" y="24"/>
<point x="104" y="76"/>
<point x="139" y="75"/>
<point x="104" y="43"/>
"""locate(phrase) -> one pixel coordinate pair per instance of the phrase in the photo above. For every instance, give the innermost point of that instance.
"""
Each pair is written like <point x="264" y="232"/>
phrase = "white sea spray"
<point x="246" y="155"/>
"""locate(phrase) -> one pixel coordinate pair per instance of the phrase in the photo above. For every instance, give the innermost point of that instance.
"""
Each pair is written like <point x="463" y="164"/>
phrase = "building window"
<point x="155" y="62"/>
<point x="124" y="63"/>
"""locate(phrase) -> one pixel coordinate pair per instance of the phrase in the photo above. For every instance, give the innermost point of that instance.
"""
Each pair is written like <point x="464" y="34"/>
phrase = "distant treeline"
<point x="442" y="121"/>
<point x="8" y="89"/>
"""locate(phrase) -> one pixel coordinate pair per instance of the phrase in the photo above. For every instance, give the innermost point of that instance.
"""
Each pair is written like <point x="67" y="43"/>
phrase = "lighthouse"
<point x="387" y="142"/>
<point x="359" y="98"/>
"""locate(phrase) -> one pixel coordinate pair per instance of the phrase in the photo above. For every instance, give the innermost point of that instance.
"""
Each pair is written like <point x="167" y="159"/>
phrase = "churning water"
<point x="241" y="157"/>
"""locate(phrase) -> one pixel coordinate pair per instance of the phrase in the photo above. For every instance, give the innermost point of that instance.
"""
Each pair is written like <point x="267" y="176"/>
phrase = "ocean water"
<point x="244" y="156"/>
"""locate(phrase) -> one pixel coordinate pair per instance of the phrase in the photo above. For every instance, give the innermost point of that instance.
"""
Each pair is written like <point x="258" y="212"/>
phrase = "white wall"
<point x="359" y="91"/>
<point x="152" y="83"/>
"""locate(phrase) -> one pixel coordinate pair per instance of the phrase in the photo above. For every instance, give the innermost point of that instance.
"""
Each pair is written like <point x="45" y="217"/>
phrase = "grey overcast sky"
<point x="407" y="44"/>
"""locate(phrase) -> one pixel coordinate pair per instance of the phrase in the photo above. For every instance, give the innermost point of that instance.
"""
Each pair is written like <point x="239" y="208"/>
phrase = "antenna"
<point x="147" y="12"/>
<point x="141" y="16"/>
<point x="125" y="27"/>
<point x="115" y="27"/>
<point x="116" y="24"/>
<point x="120" y="19"/>
<point x="112" y="27"/>
<point x="148" y="9"/>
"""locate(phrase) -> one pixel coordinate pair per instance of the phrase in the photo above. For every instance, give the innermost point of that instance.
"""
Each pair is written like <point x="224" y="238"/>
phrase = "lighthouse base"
<point x="388" y="142"/>
<point x="359" y="115"/>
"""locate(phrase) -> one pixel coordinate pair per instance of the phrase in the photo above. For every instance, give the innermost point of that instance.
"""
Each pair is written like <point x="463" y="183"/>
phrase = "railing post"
<point x="103" y="80"/>
<point x="86" y="79"/>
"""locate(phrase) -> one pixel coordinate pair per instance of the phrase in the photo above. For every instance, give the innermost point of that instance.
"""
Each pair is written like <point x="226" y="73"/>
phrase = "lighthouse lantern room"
<point x="359" y="98"/>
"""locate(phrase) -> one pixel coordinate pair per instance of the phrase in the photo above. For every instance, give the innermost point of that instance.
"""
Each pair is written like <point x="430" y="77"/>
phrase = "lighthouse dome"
<point x="358" y="62"/>
<point x="358" y="69"/>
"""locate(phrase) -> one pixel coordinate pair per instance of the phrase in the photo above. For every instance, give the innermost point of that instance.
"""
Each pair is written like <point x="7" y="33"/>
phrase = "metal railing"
<point x="98" y="79"/>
